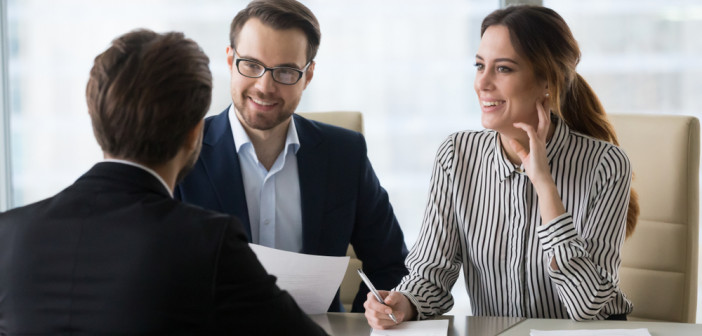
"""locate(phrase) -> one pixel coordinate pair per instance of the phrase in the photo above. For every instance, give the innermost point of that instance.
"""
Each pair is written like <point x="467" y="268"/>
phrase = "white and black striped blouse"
<point x="483" y="214"/>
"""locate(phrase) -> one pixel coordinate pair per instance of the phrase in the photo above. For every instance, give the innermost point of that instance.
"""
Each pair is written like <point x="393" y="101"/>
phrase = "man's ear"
<point x="309" y="74"/>
<point x="230" y="57"/>
<point x="192" y="138"/>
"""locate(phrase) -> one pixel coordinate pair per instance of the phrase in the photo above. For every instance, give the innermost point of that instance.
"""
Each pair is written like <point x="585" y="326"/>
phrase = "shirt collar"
<point x="151" y="171"/>
<point x="505" y="168"/>
<point x="241" y="138"/>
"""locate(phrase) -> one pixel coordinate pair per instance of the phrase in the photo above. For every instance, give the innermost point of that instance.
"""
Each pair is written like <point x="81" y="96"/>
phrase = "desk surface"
<point x="354" y="324"/>
<point x="654" y="328"/>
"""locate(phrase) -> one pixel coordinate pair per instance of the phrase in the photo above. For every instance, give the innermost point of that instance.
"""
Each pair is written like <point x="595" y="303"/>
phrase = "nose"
<point x="483" y="80"/>
<point x="265" y="83"/>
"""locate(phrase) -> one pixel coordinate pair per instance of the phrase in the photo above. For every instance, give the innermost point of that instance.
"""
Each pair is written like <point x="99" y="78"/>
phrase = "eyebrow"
<point x="287" y="65"/>
<point x="504" y="59"/>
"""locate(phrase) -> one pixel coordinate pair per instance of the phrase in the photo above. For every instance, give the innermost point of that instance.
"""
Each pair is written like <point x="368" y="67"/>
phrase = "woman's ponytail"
<point x="582" y="111"/>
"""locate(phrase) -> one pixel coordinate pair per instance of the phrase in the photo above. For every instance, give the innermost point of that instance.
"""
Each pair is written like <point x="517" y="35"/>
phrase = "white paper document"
<point x="601" y="332"/>
<point x="416" y="328"/>
<point x="311" y="280"/>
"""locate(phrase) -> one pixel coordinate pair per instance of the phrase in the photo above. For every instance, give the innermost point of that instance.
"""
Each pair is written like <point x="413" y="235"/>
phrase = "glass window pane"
<point x="52" y="46"/>
<point x="640" y="56"/>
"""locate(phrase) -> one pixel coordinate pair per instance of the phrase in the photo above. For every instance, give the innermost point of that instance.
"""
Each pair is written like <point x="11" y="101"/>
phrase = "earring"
<point x="547" y="94"/>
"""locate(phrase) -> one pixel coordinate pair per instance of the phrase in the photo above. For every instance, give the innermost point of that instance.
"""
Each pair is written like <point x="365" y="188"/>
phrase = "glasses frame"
<point x="300" y="72"/>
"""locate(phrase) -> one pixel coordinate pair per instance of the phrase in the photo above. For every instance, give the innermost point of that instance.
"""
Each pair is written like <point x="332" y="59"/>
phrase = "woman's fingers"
<point x="378" y="314"/>
<point x="533" y="135"/>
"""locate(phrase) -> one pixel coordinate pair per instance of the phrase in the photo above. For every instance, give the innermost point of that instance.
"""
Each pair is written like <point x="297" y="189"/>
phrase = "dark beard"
<point x="247" y="118"/>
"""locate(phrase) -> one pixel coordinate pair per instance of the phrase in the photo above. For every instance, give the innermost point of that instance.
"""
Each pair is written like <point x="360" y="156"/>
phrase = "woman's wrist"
<point x="543" y="183"/>
<point x="550" y="202"/>
<point x="409" y="309"/>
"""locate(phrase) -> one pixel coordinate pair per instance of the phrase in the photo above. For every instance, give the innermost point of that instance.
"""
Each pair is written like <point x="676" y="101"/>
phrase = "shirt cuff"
<point x="414" y="301"/>
<point x="558" y="231"/>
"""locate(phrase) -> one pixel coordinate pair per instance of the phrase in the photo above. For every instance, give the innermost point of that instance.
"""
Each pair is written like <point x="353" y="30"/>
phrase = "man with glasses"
<point x="296" y="184"/>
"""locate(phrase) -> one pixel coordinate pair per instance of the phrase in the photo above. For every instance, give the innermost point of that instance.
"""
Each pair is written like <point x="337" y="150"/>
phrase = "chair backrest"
<point x="354" y="122"/>
<point x="659" y="261"/>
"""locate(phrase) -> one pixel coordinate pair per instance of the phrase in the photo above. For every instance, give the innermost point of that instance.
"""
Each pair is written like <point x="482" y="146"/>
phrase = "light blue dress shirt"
<point x="273" y="197"/>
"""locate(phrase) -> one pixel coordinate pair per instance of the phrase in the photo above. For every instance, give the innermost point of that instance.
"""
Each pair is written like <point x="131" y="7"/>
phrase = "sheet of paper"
<point x="600" y="332"/>
<point x="311" y="280"/>
<point x="416" y="328"/>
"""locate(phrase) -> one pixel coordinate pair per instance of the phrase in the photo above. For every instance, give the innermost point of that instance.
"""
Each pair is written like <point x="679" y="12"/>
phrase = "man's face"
<point x="262" y="103"/>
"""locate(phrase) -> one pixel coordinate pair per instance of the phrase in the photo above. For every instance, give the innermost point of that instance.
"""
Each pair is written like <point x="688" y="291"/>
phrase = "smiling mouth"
<point x="262" y="102"/>
<point x="493" y="103"/>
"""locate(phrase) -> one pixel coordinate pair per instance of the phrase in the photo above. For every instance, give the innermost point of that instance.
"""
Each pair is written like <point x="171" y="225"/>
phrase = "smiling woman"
<point x="495" y="208"/>
<point x="507" y="88"/>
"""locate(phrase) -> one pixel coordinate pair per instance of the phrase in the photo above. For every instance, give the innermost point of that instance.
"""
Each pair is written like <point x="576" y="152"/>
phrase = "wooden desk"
<point x="655" y="328"/>
<point x="354" y="324"/>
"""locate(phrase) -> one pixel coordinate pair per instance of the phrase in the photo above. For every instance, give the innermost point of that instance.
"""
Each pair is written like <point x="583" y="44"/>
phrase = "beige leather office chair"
<point x="352" y="121"/>
<point x="659" y="261"/>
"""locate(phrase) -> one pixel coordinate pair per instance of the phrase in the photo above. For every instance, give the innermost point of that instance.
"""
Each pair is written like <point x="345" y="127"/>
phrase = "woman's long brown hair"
<point x="543" y="38"/>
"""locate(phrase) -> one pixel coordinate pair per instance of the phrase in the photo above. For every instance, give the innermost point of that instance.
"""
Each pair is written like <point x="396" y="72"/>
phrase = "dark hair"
<point x="146" y="92"/>
<point x="543" y="38"/>
<point x="280" y="14"/>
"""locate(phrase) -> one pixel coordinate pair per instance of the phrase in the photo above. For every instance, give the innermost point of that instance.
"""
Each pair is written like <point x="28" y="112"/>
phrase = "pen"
<point x="375" y="292"/>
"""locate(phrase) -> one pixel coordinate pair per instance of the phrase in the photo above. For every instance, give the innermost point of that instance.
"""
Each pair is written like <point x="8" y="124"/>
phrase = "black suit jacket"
<point x="114" y="253"/>
<point x="342" y="200"/>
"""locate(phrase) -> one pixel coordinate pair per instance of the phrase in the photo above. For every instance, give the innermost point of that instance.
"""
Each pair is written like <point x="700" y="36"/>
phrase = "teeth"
<point x="261" y="102"/>
<point x="492" y="103"/>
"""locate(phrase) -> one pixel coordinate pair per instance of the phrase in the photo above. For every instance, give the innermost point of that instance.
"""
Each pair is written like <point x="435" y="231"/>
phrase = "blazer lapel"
<point x="312" y="169"/>
<point x="221" y="163"/>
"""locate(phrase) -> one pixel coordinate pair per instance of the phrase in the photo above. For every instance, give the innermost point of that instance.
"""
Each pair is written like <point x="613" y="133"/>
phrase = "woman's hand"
<point x="536" y="164"/>
<point x="535" y="161"/>
<point x="378" y="314"/>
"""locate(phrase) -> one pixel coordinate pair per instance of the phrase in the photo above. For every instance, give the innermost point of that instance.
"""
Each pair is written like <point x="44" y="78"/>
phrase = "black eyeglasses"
<point x="255" y="69"/>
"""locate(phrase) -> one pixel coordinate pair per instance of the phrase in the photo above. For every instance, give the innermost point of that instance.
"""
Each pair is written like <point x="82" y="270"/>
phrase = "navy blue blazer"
<point x="342" y="200"/>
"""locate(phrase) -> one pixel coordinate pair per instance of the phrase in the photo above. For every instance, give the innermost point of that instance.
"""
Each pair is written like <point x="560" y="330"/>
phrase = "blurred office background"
<point x="406" y="64"/>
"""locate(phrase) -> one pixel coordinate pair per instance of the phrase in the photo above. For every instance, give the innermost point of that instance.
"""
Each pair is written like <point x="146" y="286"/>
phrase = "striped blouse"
<point x="483" y="214"/>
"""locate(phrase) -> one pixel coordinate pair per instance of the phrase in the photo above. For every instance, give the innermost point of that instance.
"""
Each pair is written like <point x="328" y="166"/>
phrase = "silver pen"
<point x="375" y="292"/>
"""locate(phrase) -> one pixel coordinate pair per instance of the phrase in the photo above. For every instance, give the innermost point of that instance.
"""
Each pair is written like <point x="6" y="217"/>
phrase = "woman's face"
<point x="506" y="85"/>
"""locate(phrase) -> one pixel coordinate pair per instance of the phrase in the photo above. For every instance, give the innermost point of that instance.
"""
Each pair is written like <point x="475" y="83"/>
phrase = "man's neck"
<point x="268" y="144"/>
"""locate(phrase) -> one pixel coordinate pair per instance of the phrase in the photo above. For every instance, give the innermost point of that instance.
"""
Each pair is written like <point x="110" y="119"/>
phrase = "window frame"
<point x="5" y="164"/>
